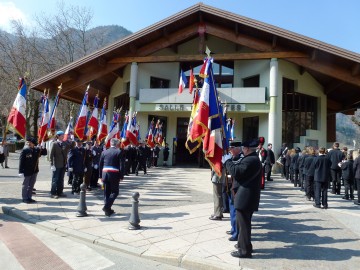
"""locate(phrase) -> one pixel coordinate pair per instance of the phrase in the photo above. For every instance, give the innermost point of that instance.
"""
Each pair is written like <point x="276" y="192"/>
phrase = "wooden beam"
<point x="102" y="61"/>
<point x="333" y="86"/>
<point x="118" y="72"/>
<point x="313" y="55"/>
<point x="302" y="70"/>
<point x="274" y="42"/>
<point x="100" y="87"/>
<point x="334" y="105"/>
<point x="355" y="70"/>
<point x="200" y="57"/>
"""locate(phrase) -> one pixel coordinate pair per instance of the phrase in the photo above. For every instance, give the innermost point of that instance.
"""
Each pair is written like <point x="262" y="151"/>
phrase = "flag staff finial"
<point x="207" y="51"/>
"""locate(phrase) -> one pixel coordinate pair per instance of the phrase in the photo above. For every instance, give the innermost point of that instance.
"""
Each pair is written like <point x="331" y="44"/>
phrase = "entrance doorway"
<point x="182" y="155"/>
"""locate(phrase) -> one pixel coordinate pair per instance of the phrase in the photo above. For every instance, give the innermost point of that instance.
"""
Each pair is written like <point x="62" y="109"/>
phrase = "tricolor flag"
<point x="124" y="141"/>
<point x="131" y="131"/>
<point x="191" y="144"/>
<point x="182" y="82"/>
<point x="94" y="122"/>
<point x="69" y="132"/>
<point x="150" y="135"/>
<point x="17" y="119"/>
<point x="80" y="125"/>
<point x="103" y="130"/>
<point x="45" y="119"/>
<point x="52" y="121"/>
<point x="114" y="129"/>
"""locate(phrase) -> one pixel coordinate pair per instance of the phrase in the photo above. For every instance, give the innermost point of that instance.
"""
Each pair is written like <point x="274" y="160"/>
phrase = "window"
<point x="223" y="73"/>
<point x="253" y="81"/>
<point x="250" y="128"/>
<point x="299" y="113"/>
<point x="122" y="101"/>
<point x="159" y="83"/>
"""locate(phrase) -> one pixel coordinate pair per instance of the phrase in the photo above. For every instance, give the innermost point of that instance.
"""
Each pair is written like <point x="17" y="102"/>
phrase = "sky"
<point x="331" y="21"/>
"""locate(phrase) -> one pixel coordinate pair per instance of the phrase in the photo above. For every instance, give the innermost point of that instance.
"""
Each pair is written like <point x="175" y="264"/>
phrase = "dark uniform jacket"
<point x="248" y="175"/>
<point x="111" y="164"/>
<point x="356" y="167"/>
<point x="335" y="156"/>
<point x="309" y="169"/>
<point x="29" y="160"/>
<point x="77" y="159"/>
<point x="322" y="169"/>
<point x="96" y="158"/>
<point x="348" y="170"/>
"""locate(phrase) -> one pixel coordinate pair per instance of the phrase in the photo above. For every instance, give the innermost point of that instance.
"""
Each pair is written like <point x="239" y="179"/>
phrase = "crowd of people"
<point x="86" y="163"/>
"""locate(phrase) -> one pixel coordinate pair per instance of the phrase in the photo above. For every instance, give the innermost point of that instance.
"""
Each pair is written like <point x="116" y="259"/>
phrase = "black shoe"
<point x="236" y="246"/>
<point x="109" y="213"/>
<point x="226" y="211"/>
<point x="271" y="179"/>
<point x="352" y="198"/>
<point x="33" y="192"/>
<point x="324" y="207"/>
<point x="357" y="203"/>
<point x="6" y="167"/>
<point x="26" y="201"/>
<point x="345" y="198"/>
<point x="237" y="254"/>
<point x="215" y="218"/>
<point x="316" y="205"/>
<point x="34" y="189"/>
<point x="136" y="174"/>
<point x="32" y="201"/>
<point x="232" y="238"/>
<point x="229" y="232"/>
<point x="63" y="195"/>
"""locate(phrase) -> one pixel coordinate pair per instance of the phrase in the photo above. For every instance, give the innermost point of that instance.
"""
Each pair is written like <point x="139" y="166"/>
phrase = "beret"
<point x="234" y="144"/>
<point x="251" y="143"/>
<point x="60" y="132"/>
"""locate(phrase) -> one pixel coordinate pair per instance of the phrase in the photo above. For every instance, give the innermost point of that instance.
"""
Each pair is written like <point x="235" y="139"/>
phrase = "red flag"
<point x="103" y="125"/>
<point x="131" y="132"/>
<point x="69" y="132"/>
<point x="17" y="119"/>
<point x="93" y="122"/>
<point x="44" y="121"/>
<point x="79" y="129"/>
<point x="191" y="81"/>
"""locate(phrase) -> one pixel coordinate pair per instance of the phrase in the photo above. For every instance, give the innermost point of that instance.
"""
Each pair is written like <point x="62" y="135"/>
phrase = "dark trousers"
<point x="28" y="185"/>
<point x="336" y="181"/>
<point x="77" y="181"/>
<point x="243" y="219"/>
<point x="358" y="188"/>
<point x="111" y="191"/>
<point x="94" y="177"/>
<point x="287" y="172"/>
<point x="141" y="164"/>
<point x="321" y="189"/>
<point x="225" y="196"/>
<point x="234" y="226"/>
<point x="57" y="182"/>
<point x="349" y="188"/>
<point x="268" y="168"/>
<point x="296" y="178"/>
<point x="309" y="187"/>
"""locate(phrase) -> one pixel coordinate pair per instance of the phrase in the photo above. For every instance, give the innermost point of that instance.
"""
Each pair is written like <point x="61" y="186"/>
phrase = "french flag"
<point x="114" y="130"/>
<point x="182" y="82"/>
<point x="69" y="132"/>
<point x="44" y="121"/>
<point x="93" y="122"/>
<point x="103" y="130"/>
<point x="16" y="119"/>
<point x="150" y="135"/>
<point x="131" y="131"/>
<point x="80" y="125"/>
<point x="52" y="120"/>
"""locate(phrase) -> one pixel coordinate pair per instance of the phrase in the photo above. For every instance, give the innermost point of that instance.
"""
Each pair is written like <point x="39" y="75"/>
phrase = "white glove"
<point x="42" y="144"/>
<point x="21" y="175"/>
<point x="96" y="166"/>
<point x="94" y="153"/>
<point x="53" y="168"/>
<point x="71" y="169"/>
<point x="225" y="158"/>
<point x="85" y="170"/>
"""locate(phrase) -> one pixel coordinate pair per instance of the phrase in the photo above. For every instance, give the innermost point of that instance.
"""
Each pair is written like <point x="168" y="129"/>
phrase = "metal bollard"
<point x="82" y="204"/>
<point x="134" y="217"/>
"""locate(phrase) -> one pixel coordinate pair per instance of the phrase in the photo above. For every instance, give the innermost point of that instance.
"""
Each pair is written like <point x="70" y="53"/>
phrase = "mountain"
<point x="348" y="130"/>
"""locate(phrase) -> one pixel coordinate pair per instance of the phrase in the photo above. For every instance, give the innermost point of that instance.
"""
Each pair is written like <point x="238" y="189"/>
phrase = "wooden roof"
<point x="337" y="69"/>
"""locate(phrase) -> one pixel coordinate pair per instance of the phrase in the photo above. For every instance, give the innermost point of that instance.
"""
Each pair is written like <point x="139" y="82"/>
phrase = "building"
<point x="277" y="84"/>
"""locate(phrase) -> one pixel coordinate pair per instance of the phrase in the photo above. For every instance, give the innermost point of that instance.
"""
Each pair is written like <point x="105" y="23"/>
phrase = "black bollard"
<point x="82" y="203"/>
<point x="134" y="217"/>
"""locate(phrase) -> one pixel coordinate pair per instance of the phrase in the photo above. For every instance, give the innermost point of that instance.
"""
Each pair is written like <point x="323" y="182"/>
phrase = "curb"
<point x="178" y="260"/>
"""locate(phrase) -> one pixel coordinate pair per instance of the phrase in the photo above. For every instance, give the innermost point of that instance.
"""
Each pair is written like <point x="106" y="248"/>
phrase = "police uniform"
<point x="111" y="171"/>
<point x="76" y="163"/>
<point x="96" y="151"/>
<point x="29" y="168"/>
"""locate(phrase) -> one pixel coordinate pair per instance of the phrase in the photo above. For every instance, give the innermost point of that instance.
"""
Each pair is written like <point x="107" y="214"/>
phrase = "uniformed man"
<point x="29" y="167"/>
<point x="141" y="158"/>
<point x="247" y="173"/>
<point x="96" y="151"/>
<point x="76" y="163"/>
<point x="111" y="171"/>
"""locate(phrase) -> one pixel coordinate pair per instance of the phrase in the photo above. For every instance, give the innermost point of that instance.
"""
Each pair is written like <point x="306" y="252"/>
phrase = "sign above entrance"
<point x="187" y="107"/>
<point x="173" y="107"/>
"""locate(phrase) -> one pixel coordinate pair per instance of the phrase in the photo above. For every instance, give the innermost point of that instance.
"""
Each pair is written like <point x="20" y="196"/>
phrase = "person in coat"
<point x="335" y="156"/>
<point x="58" y="160"/>
<point x="96" y="151"/>
<point x="29" y="167"/>
<point x="356" y="167"/>
<point x="166" y="152"/>
<point x="247" y="174"/>
<point x="141" y="158"/>
<point x="111" y="170"/>
<point x="321" y="178"/>
<point x="76" y="163"/>
<point x="269" y="162"/>
<point x="347" y="167"/>
<point x="309" y="173"/>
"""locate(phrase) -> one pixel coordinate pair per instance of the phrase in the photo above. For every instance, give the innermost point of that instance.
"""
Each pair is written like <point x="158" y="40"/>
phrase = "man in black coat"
<point x="76" y="164"/>
<point x="321" y="178"/>
<point x="335" y="156"/>
<point x="111" y="171"/>
<point x="142" y="153"/>
<point x="269" y="162"/>
<point x="247" y="174"/>
<point x="29" y="167"/>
